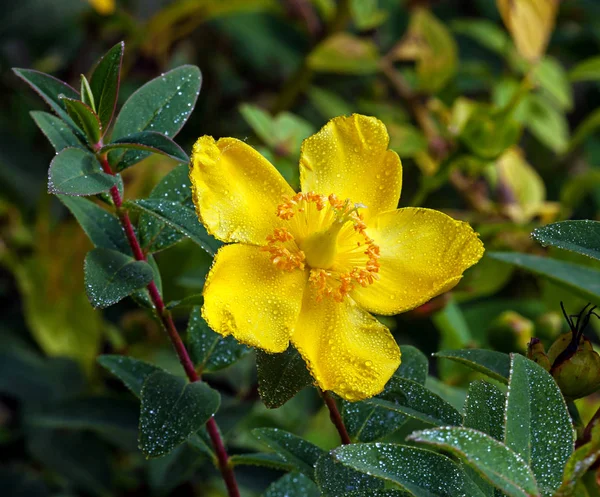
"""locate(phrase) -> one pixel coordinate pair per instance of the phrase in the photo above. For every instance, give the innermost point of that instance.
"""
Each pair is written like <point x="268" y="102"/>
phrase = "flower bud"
<point x="536" y="352"/>
<point x="510" y="331"/>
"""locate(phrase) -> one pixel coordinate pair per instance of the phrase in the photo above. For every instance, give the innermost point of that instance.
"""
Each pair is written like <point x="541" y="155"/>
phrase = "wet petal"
<point x="349" y="156"/>
<point x="246" y="296"/>
<point x="236" y="190"/>
<point x="423" y="254"/>
<point x="347" y="350"/>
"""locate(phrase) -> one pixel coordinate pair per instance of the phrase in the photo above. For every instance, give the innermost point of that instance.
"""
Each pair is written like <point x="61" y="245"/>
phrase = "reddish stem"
<point x="167" y="320"/>
<point x="336" y="417"/>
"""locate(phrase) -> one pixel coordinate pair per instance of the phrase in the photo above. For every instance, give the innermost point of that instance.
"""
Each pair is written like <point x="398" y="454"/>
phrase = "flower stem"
<point x="167" y="321"/>
<point x="336" y="417"/>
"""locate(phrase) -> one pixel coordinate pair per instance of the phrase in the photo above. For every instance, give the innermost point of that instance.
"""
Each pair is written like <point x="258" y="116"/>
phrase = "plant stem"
<point x="167" y="321"/>
<point x="336" y="417"/>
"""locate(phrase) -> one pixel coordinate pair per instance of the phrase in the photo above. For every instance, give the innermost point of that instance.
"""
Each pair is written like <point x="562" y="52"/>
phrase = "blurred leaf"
<point x="335" y="478"/>
<point x="172" y="409"/>
<point x="111" y="276"/>
<point x="102" y="227"/>
<point x="85" y="118"/>
<point x="492" y="459"/>
<point x="170" y="471"/>
<point x="209" y="350"/>
<point x="156" y="235"/>
<point x="494" y="364"/>
<point x="582" y="237"/>
<point x="22" y="483"/>
<point x="538" y="426"/>
<point x="585" y="129"/>
<point x="79" y="457"/>
<point x="484" y="32"/>
<point x="267" y="460"/>
<point x="422" y="472"/>
<point x="523" y="187"/>
<point x="415" y="401"/>
<point x="55" y="129"/>
<point x="579" y="463"/>
<point x="550" y="75"/>
<point x="162" y="105"/>
<point x="366" y="422"/>
<point x="189" y="301"/>
<point x="132" y="372"/>
<point x="429" y="42"/>
<point x="520" y="15"/>
<point x="576" y="189"/>
<point x="588" y="70"/>
<point x="104" y="83"/>
<point x="581" y="280"/>
<point x="343" y="53"/>
<point x="488" y="133"/>
<point x="366" y="14"/>
<point x="328" y="103"/>
<point x="75" y="171"/>
<point x="149" y="141"/>
<point x="406" y="140"/>
<point x="280" y="376"/>
<point x="484" y="409"/>
<point x="293" y="485"/>
<point x="547" y="124"/>
<point x="181" y="218"/>
<point x="50" y="89"/>
<point x="294" y="450"/>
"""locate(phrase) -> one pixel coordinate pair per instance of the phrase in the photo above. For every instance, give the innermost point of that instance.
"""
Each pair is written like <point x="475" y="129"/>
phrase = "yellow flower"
<point x="104" y="7"/>
<point x="310" y="267"/>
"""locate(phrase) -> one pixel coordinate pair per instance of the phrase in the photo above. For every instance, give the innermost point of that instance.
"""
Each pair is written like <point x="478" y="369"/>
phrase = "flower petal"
<point x="347" y="350"/>
<point x="349" y="156"/>
<point x="236" y="190"/>
<point x="423" y="254"/>
<point x="246" y="296"/>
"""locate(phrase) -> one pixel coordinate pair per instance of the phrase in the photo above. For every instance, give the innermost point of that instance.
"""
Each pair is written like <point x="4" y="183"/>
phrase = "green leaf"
<point x="335" y="478"/>
<point x="422" y="472"/>
<point x="86" y="94"/>
<point x="294" y="450"/>
<point x="579" y="463"/>
<point x="379" y="493"/>
<point x="85" y="118"/>
<point x="162" y="105"/>
<point x="547" y="124"/>
<point x="414" y="400"/>
<point x="56" y="130"/>
<point x="293" y="485"/>
<point x="280" y="376"/>
<point x="189" y="301"/>
<point x="50" y="89"/>
<point x="343" y="53"/>
<point x="585" y="129"/>
<point x="550" y="75"/>
<point x="494" y="364"/>
<point x="103" y="228"/>
<point x="366" y="14"/>
<point x="582" y="237"/>
<point x="111" y="276"/>
<point x="165" y="474"/>
<point x="105" y="82"/>
<point x="75" y="171"/>
<point x="267" y="460"/>
<point x="156" y="235"/>
<point x="492" y="459"/>
<point x="209" y="350"/>
<point x="581" y="280"/>
<point x="588" y="70"/>
<point x="366" y="422"/>
<point x="132" y="372"/>
<point x="328" y="103"/>
<point x="484" y="409"/>
<point x="181" y="218"/>
<point x="149" y="141"/>
<point x="172" y="410"/>
<point x="487" y="33"/>
<point x="538" y="426"/>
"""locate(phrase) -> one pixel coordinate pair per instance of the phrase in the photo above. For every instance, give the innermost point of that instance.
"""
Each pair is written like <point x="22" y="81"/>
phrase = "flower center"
<point x="330" y="238"/>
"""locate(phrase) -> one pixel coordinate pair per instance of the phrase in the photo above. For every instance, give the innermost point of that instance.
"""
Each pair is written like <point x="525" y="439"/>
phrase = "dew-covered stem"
<point x="167" y="321"/>
<point x="336" y="417"/>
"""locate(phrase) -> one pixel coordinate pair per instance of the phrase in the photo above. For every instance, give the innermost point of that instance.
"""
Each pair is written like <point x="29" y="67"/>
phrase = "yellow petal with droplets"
<point x="423" y="254"/>
<point x="347" y="350"/>
<point x="236" y="190"/>
<point x="246" y="296"/>
<point x="349" y="157"/>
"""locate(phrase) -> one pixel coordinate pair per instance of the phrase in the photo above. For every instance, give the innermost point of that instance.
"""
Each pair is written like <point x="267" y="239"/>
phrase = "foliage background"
<point x="261" y="55"/>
